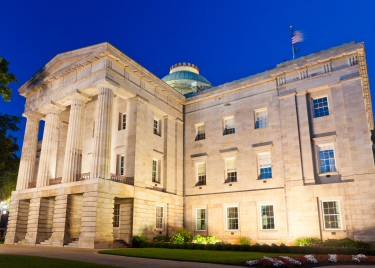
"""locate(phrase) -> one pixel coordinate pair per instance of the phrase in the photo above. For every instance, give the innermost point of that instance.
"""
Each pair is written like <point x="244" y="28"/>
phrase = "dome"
<point x="185" y="75"/>
<point x="186" y="78"/>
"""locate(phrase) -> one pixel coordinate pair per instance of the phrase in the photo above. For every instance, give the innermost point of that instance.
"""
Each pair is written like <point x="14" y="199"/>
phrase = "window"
<point x="121" y="165"/>
<point x="200" y="132"/>
<point x="353" y="61"/>
<point x="261" y="119"/>
<point x="156" y="127"/>
<point x="327" y="68"/>
<point x="267" y="217"/>
<point x="231" y="170"/>
<point x="320" y="107"/>
<point x="201" y="219"/>
<point x="331" y="214"/>
<point x="155" y="175"/>
<point x="123" y="121"/>
<point x="229" y="126"/>
<point x="232" y="218"/>
<point x="116" y="216"/>
<point x="327" y="159"/>
<point x="202" y="174"/>
<point x="265" y="169"/>
<point x="159" y="217"/>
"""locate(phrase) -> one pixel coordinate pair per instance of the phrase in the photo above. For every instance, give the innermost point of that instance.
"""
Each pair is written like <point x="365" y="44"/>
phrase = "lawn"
<point x="212" y="256"/>
<point x="15" y="261"/>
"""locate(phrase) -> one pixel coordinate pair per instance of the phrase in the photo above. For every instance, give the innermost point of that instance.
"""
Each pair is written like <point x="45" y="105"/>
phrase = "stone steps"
<point x="120" y="244"/>
<point x="73" y="244"/>
<point x="47" y="242"/>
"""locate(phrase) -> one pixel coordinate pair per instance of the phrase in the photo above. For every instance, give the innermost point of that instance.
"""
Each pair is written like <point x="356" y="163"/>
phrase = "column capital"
<point x="53" y="107"/>
<point x="80" y="96"/>
<point x="33" y="114"/>
<point x="106" y="84"/>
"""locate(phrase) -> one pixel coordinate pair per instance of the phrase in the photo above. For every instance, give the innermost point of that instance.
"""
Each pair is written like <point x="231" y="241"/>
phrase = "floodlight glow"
<point x="4" y="212"/>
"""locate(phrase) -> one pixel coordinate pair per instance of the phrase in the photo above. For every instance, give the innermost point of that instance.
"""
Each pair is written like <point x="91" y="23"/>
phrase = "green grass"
<point x="15" y="261"/>
<point x="211" y="256"/>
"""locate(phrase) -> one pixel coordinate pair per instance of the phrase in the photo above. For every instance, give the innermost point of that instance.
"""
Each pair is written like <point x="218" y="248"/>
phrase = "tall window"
<point x="265" y="169"/>
<point x="267" y="217"/>
<point x="261" y="119"/>
<point x="232" y="218"/>
<point x="331" y="214"/>
<point x="159" y="218"/>
<point x="229" y="126"/>
<point x="231" y="170"/>
<point x="202" y="174"/>
<point x="201" y="219"/>
<point x="155" y="175"/>
<point x="201" y="132"/>
<point x="121" y="165"/>
<point x="353" y="61"/>
<point x="156" y="127"/>
<point x="123" y="121"/>
<point x="116" y="216"/>
<point x="320" y="107"/>
<point x="327" y="159"/>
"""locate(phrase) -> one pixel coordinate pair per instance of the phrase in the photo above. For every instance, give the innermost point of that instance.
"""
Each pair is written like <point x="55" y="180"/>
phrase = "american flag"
<point x="297" y="37"/>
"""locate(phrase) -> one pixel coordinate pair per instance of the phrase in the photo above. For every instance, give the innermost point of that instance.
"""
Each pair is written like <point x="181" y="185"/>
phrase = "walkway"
<point x="91" y="255"/>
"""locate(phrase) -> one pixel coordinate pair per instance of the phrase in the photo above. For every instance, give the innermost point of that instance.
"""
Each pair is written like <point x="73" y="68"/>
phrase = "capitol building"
<point x="274" y="156"/>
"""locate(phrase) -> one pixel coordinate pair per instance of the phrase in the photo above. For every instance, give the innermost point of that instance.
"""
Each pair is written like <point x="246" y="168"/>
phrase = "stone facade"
<point x="121" y="155"/>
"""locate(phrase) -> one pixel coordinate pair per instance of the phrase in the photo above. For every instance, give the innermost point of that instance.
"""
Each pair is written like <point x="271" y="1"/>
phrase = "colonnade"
<point x="100" y="166"/>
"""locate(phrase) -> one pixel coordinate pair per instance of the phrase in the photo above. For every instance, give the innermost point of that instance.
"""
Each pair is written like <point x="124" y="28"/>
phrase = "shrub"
<point x="138" y="241"/>
<point x="187" y="235"/>
<point x="199" y="240"/>
<point x="245" y="247"/>
<point x="161" y="238"/>
<point x="309" y="241"/>
<point x="345" y="243"/>
<point x="244" y="241"/>
<point x="212" y="239"/>
<point x="178" y="239"/>
<point x="2" y="239"/>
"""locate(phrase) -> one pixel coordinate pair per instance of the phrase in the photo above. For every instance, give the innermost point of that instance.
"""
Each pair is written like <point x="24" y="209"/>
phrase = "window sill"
<point x="265" y="179"/>
<point x="268" y="230"/>
<point x="325" y="174"/>
<point x="262" y="128"/>
<point x="228" y="134"/>
<point x="200" y="186"/>
<point x="116" y="227"/>
<point x="232" y="231"/>
<point x="157" y="134"/>
<point x="230" y="182"/>
<point x="200" y="140"/>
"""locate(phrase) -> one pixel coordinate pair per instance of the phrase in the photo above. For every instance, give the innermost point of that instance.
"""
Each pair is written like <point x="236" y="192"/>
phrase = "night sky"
<point x="227" y="40"/>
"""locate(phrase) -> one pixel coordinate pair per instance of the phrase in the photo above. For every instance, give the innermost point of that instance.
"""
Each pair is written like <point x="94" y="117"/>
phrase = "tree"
<point x="5" y="79"/>
<point x="9" y="161"/>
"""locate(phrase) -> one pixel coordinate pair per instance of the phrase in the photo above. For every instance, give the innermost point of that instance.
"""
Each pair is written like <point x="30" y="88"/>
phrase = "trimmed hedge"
<point x="263" y="248"/>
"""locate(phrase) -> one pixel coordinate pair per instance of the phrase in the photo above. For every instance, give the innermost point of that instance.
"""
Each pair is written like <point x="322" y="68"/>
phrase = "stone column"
<point x="28" y="157"/>
<point x="101" y="155"/>
<point x="169" y="154"/>
<point x="74" y="143"/>
<point x="305" y="138"/>
<point x="47" y="162"/>
<point x="59" y="221"/>
<point x="290" y="139"/>
<point x="179" y="157"/>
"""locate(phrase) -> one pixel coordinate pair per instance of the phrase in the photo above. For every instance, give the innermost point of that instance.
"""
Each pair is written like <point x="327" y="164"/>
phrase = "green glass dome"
<point x="185" y="75"/>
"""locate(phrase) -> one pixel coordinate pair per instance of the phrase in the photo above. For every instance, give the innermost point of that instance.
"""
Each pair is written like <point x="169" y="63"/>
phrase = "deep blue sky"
<point x="227" y="40"/>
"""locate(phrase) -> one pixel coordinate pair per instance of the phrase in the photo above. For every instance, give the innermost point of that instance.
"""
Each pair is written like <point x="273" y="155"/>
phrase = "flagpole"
<point x="291" y="31"/>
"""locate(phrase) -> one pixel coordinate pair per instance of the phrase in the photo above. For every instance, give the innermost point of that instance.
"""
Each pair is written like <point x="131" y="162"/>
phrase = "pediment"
<point x="62" y="62"/>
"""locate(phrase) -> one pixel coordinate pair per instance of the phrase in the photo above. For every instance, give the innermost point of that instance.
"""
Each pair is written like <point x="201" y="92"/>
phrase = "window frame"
<point x="114" y="215"/>
<point x="121" y="160"/>
<point x="224" y="125"/>
<point x="255" y="117"/>
<point x="205" y="173"/>
<point x="157" y="177"/>
<point x="196" y="219"/>
<point x="259" y="169"/>
<point x="238" y="217"/>
<point x="313" y="109"/>
<point x="226" y="169"/>
<point x="123" y="120"/>
<point x="196" y="131"/>
<point x="261" y="216"/>
<point x="318" y="156"/>
<point x="156" y="217"/>
<point x="341" y="218"/>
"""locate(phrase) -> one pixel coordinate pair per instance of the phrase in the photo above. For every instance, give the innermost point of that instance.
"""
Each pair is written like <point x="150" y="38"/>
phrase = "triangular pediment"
<point x="62" y="62"/>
